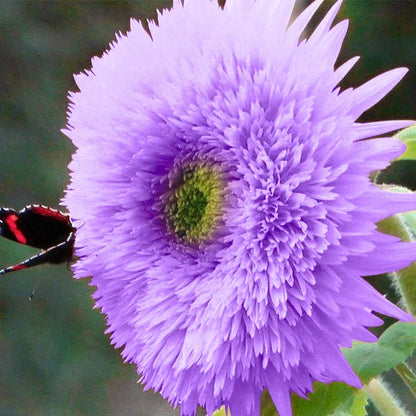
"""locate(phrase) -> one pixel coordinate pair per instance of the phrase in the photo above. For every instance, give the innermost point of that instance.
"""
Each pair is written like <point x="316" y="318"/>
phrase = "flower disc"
<point x="193" y="204"/>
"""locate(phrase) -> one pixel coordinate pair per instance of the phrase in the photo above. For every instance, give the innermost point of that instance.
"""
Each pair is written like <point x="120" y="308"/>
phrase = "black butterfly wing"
<point x="35" y="225"/>
<point x="41" y="227"/>
<point x="57" y="254"/>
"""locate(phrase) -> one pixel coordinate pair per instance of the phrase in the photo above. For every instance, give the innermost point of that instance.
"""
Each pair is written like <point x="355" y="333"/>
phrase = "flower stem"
<point x="407" y="375"/>
<point x="382" y="398"/>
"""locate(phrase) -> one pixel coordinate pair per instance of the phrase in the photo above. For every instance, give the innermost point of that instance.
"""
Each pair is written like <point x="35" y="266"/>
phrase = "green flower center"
<point x="193" y="206"/>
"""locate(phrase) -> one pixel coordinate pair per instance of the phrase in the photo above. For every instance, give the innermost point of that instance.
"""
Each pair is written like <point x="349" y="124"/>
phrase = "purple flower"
<point x="221" y="192"/>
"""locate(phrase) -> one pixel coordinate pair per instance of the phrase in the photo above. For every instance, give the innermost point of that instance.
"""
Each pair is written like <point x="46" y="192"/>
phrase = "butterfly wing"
<point x="41" y="227"/>
<point x="35" y="225"/>
<point x="57" y="254"/>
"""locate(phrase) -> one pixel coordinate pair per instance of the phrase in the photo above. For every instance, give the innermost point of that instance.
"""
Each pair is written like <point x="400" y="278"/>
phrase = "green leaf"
<point x="220" y="412"/>
<point x="354" y="407"/>
<point x="403" y="226"/>
<point x="267" y="406"/>
<point x="335" y="399"/>
<point x="400" y="225"/>
<point x="409" y="221"/>
<point x="359" y="404"/>
<point x="396" y="345"/>
<point x="408" y="137"/>
<point x="404" y="280"/>
<point x="408" y="376"/>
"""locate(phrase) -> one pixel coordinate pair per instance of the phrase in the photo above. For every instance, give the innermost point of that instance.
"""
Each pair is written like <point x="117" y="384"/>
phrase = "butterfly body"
<point x="41" y="227"/>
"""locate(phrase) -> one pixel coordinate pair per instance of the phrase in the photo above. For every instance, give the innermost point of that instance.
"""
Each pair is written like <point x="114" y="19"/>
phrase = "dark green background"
<point x="54" y="357"/>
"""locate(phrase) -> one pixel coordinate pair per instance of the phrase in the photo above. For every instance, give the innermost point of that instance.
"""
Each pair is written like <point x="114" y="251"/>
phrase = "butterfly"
<point x="41" y="227"/>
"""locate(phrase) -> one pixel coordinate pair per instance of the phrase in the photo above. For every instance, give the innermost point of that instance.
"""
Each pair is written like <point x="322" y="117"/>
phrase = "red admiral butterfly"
<point x="41" y="227"/>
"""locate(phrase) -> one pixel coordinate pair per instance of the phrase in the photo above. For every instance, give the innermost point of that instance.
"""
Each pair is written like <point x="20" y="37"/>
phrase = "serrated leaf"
<point x="333" y="399"/>
<point x="408" y="137"/>
<point x="395" y="346"/>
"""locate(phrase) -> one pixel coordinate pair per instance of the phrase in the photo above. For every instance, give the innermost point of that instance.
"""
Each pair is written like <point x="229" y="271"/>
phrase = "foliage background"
<point x="54" y="357"/>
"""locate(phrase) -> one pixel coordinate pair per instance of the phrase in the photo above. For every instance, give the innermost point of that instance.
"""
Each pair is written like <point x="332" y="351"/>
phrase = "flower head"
<point x="225" y="214"/>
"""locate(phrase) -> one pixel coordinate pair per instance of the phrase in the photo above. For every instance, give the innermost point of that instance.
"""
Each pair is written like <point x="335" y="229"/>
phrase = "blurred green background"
<point x="54" y="357"/>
